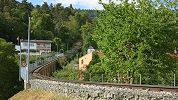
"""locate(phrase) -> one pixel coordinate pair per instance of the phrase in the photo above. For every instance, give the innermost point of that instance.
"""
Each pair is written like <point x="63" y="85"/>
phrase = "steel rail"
<point x="158" y="88"/>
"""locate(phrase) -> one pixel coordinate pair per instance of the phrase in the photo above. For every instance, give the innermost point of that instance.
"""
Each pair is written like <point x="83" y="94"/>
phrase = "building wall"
<point x="48" y="69"/>
<point x="44" y="47"/>
<point x="84" y="61"/>
<point x="39" y="47"/>
<point x="24" y="45"/>
<point x="17" y="47"/>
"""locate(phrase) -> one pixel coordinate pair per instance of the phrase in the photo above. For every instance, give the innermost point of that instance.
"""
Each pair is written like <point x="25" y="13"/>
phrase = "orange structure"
<point x="84" y="61"/>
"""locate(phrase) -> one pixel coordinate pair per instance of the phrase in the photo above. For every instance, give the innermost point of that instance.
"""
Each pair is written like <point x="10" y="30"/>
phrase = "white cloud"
<point x="45" y="0"/>
<point x="84" y="4"/>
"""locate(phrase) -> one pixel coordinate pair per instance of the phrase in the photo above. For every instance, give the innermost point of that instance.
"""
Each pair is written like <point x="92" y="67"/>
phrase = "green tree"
<point x="9" y="83"/>
<point x="135" y="39"/>
<point x="86" y="33"/>
<point x="57" y="42"/>
<point x="42" y="24"/>
<point x="67" y="73"/>
<point x="14" y="19"/>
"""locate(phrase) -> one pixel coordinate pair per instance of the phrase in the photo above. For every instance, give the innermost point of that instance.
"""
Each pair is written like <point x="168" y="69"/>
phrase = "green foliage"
<point x="9" y="83"/>
<point x="135" y="39"/>
<point x="67" y="73"/>
<point x="14" y="19"/>
<point x="42" y="24"/>
<point x="87" y="31"/>
<point x="47" y="22"/>
<point x="95" y="58"/>
<point x="57" y="42"/>
<point x="35" y="58"/>
<point x="68" y="70"/>
<point x="94" y="69"/>
<point x="62" y="61"/>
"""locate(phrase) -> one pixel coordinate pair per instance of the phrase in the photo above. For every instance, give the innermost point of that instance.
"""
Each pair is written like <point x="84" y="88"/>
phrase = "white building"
<point x="39" y="46"/>
<point x="90" y="49"/>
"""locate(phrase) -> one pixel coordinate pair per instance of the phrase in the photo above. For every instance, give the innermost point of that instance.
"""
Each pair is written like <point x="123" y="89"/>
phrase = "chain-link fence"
<point x="142" y="79"/>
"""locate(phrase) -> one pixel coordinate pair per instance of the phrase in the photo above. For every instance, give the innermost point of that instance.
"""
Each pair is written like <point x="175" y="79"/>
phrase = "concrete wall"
<point x="97" y="92"/>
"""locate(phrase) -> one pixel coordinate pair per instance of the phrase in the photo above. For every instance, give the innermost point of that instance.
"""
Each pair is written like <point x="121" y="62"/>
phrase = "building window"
<point x="26" y="44"/>
<point x="31" y="44"/>
<point x="47" y="45"/>
<point x="82" y="61"/>
<point x="40" y="45"/>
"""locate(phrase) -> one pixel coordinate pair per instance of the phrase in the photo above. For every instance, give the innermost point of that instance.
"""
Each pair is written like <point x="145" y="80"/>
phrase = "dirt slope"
<point x="37" y="95"/>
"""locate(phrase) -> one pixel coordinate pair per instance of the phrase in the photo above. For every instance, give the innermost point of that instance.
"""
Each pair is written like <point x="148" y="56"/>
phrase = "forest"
<point x="63" y="25"/>
<point x="48" y="21"/>
<point x="137" y="39"/>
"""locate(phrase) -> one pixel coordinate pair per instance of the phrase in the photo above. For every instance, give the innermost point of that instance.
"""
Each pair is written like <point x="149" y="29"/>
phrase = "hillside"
<point x="37" y="95"/>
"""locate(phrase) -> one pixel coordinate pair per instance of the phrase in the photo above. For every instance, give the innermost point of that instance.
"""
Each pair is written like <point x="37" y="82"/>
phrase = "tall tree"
<point x="57" y="42"/>
<point x="14" y="17"/>
<point x="42" y="25"/>
<point x="135" y="38"/>
<point x="86" y="33"/>
<point x="9" y="83"/>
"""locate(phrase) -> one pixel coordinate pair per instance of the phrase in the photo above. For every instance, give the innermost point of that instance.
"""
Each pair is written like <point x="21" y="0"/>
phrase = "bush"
<point x="67" y="73"/>
<point x="62" y="61"/>
<point x="9" y="69"/>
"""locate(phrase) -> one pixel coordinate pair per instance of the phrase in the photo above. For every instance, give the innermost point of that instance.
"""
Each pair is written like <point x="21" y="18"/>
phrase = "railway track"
<point x="156" y="88"/>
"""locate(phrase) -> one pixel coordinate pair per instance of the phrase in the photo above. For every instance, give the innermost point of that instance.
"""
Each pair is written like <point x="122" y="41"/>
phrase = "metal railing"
<point x="38" y="64"/>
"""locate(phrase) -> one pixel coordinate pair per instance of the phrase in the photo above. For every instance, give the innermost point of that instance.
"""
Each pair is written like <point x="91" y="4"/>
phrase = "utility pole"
<point x="28" y="58"/>
<point x="20" y="62"/>
<point x="57" y="49"/>
<point x="67" y="46"/>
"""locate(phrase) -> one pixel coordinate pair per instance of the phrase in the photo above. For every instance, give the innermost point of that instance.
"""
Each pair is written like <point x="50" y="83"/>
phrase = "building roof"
<point x="173" y="55"/>
<point x="90" y="47"/>
<point x="40" y="41"/>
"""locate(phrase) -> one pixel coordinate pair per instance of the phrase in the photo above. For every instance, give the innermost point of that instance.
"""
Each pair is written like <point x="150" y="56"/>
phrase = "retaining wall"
<point x="47" y="69"/>
<point x="79" y="91"/>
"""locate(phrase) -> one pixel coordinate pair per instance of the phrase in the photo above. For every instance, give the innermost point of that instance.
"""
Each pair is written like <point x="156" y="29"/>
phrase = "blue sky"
<point x="82" y="4"/>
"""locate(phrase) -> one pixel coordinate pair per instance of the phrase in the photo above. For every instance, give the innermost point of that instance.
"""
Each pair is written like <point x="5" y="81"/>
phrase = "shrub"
<point x="67" y="73"/>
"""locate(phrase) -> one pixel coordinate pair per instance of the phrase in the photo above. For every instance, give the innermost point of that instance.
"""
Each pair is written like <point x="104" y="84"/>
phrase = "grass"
<point x="38" y="95"/>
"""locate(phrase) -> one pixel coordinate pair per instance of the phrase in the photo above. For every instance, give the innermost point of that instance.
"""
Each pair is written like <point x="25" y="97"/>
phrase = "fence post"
<point x="90" y="76"/>
<point x="102" y="77"/>
<point x="140" y="79"/>
<point x="118" y="78"/>
<point x="174" y="79"/>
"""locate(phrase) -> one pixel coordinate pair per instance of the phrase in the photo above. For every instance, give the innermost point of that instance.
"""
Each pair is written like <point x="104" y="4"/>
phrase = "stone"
<point x="109" y="95"/>
<point x="99" y="92"/>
